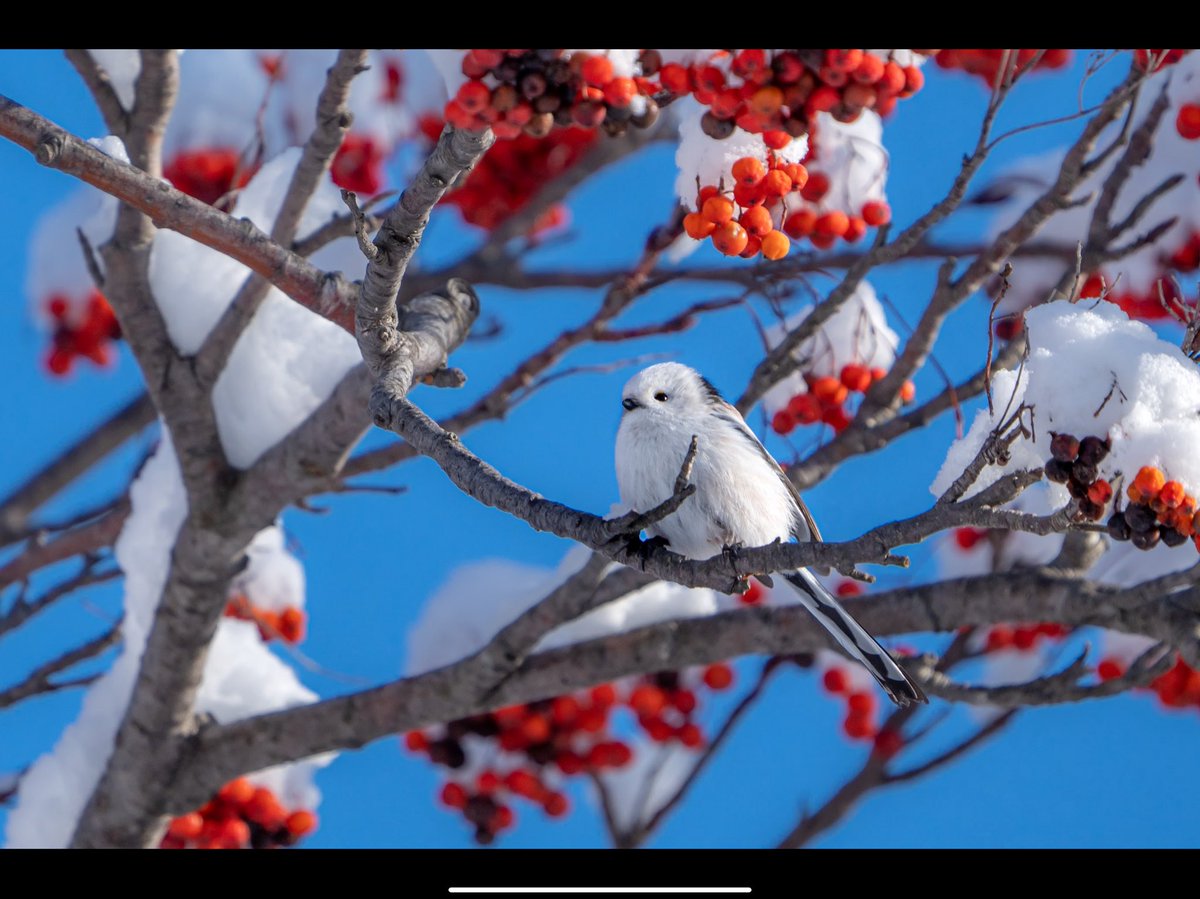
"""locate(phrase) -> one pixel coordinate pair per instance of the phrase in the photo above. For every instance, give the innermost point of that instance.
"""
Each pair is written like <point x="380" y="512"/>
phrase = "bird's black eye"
<point x="661" y="397"/>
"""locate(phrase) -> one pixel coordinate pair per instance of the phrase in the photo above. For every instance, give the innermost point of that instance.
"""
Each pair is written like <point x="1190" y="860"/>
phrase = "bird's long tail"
<point x="854" y="638"/>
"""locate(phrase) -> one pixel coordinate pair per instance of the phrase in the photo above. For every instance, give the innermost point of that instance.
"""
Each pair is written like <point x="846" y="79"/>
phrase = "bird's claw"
<point x="634" y="545"/>
<point x="733" y="551"/>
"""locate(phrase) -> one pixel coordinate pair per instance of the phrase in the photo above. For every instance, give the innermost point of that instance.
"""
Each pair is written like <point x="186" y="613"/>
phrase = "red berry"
<point x="718" y="676"/>
<point x="647" y="699"/>
<point x="730" y="238"/>
<point x="301" y="822"/>
<point x="782" y="423"/>
<point x="453" y="795"/>
<point x="186" y="827"/>
<point x="835" y="680"/>
<point x="597" y="71"/>
<point x="754" y="594"/>
<point x="556" y="805"/>
<point x="876" y="213"/>
<point x="416" y="741"/>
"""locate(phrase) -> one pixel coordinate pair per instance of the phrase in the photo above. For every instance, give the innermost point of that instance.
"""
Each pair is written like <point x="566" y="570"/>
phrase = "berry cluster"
<point x="778" y="93"/>
<point x="568" y="735"/>
<point x="532" y="91"/>
<point x="1142" y="57"/>
<point x="1022" y="637"/>
<point x="1158" y="510"/>
<point x="288" y="625"/>
<point x="90" y="338"/>
<point x="862" y="707"/>
<point x="1147" y="305"/>
<point x="1076" y="463"/>
<point x="358" y="164"/>
<point x="209" y="173"/>
<point x="1177" y="688"/>
<point x="512" y="172"/>
<point x="826" y="398"/>
<point x="986" y="63"/>
<point x="749" y="220"/>
<point x="240" y="816"/>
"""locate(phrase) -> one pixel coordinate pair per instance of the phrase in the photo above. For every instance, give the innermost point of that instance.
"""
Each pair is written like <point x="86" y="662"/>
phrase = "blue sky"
<point x="1095" y="774"/>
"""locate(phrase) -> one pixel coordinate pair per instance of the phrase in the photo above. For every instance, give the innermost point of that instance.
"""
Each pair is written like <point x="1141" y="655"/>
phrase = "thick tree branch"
<point x="329" y="295"/>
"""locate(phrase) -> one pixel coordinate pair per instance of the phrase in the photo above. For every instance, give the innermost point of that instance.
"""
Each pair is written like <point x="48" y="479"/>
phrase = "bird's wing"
<point x="731" y="415"/>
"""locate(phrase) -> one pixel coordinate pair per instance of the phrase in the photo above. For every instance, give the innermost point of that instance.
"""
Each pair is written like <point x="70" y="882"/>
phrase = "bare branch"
<point x="40" y="680"/>
<point x="17" y="508"/>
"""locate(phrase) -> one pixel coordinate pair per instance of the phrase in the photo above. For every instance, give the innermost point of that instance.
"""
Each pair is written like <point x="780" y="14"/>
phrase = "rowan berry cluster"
<point x="208" y="173"/>
<point x="862" y="707"/>
<point x="1176" y="688"/>
<point x="532" y="91"/>
<point x="1022" y="637"/>
<point x="1158" y="510"/>
<point x="1076" y="463"/>
<point x="240" y="816"/>
<point x="512" y="172"/>
<point x="778" y="93"/>
<point x="90" y="337"/>
<point x="827" y="397"/>
<point x="541" y="742"/>
<point x="288" y="624"/>
<point x="987" y="64"/>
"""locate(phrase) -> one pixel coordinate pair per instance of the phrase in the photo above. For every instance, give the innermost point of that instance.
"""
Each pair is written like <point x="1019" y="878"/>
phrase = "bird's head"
<point x="668" y="391"/>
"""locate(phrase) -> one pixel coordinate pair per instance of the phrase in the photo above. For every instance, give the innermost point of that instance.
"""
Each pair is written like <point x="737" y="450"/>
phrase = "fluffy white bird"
<point x="742" y="496"/>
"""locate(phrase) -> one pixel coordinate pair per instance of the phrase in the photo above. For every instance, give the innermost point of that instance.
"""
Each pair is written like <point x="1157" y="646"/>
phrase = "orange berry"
<point x="816" y="187"/>
<point x="829" y="391"/>
<point x="186" y="827"/>
<point x="856" y="378"/>
<point x="822" y="241"/>
<point x="291" y="624"/>
<point x="775" y="245"/>
<point x="878" y="374"/>
<point x="804" y="408"/>
<point x="416" y="741"/>
<point x="766" y="101"/>
<point x="718" y="210"/>
<point x="718" y="676"/>
<point x="800" y="224"/>
<point x="697" y="226"/>
<point x="749" y="194"/>
<point x="1149" y="482"/>
<point x="597" y="71"/>
<point x="908" y="392"/>
<point x="301" y="822"/>
<point x="798" y="174"/>
<point x="757" y="221"/>
<point x="752" y="248"/>
<point x="647" y="700"/>
<point x="832" y="224"/>
<point x="730" y="238"/>
<point x="620" y="92"/>
<point x="876" y="212"/>
<point x="869" y="70"/>
<point x="1171" y="494"/>
<point x="776" y="140"/>
<point x="237" y="792"/>
<point x="855" y="229"/>
<point x="705" y="192"/>
<point x="843" y="60"/>
<point x="748" y="170"/>
<point x="776" y="183"/>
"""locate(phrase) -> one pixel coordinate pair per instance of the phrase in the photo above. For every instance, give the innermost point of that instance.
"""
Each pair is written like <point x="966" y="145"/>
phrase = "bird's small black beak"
<point x="630" y="403"/>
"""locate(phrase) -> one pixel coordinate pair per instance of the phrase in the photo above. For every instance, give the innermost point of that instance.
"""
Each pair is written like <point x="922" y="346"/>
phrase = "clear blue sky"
<point x="1111" y="773"/>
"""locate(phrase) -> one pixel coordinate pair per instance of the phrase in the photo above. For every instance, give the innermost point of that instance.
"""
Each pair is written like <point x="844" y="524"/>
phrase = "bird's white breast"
<point x="739" y="497"/>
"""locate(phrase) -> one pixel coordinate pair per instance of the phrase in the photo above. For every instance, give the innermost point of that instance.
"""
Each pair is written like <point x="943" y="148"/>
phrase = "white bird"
<point x="742" y="496"/>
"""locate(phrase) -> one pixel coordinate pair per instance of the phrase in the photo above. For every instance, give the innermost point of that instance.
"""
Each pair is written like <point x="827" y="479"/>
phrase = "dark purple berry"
<point x="1057" y="471"/>
<point x="1171" y="537"/>
<point x="1146" y="539"/>
<point x="1141" y="518"/>
<point x="1118" y="527"/>
<point x="1092" y="450"/>
<point x="1084" y="473"/>
<point x="1064" y="447"/>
